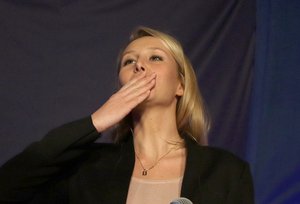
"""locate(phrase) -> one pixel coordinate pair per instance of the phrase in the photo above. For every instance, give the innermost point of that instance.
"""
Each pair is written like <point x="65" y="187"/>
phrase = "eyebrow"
<point x="150" y="48"/>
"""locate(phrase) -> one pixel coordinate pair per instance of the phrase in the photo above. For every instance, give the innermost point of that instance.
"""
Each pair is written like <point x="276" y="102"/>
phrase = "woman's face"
<point x="149" y="54"/>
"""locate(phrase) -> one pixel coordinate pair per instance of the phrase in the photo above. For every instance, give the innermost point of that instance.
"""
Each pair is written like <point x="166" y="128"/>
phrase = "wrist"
<point x="97" y="123"/>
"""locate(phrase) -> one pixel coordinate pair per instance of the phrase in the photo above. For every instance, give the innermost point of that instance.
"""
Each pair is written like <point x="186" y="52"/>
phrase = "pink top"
<point x="153" y="191"/>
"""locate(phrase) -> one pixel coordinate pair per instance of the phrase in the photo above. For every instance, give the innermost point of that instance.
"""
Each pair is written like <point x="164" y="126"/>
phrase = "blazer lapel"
<point x="193" y="172"/>
<point x="122" y="172"/>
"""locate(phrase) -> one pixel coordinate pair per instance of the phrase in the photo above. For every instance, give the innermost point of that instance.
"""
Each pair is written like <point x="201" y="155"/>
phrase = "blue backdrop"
<point x="274" y="142"/>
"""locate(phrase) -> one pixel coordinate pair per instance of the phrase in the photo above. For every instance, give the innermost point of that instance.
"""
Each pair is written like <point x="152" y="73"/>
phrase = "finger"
<point x="136" y="78"/>
<point x="139" y="79"/>
<point x="138" y="84"/>
<point x="139" y="99"/>
<point x="139" y="91"/>
<point x="142" y="85"/>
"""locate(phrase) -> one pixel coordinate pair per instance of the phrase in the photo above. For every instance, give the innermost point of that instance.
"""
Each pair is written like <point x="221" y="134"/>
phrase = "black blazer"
<point x="67" y="166"/>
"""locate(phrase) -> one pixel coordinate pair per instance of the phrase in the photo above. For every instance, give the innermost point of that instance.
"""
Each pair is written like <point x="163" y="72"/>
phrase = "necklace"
<point x="145" y="171"/>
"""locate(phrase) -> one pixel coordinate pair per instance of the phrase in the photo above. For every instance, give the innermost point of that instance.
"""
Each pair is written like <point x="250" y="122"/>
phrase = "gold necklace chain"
<point x="145" y="171"/>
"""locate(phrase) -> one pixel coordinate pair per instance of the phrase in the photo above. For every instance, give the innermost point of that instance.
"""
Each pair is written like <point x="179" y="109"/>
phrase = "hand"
<point x="122" y="102"/>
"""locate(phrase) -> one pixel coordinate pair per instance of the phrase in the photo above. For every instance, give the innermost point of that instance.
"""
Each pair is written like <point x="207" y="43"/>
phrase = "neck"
<point x="155" y="132"/>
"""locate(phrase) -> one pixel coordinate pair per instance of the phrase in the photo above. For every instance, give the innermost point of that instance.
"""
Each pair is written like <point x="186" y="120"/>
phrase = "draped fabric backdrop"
<point x="274" y="142"/>
<point x="57" y="61"/>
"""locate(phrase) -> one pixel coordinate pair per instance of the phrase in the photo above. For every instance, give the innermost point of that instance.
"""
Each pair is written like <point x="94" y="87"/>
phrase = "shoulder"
<point x="217" y="167"/>
<point x="108" y="152"/>
<point x="215" y="154"/>
<point x="219" y="173"/>
<point x="216" y="160"/>
<point x="99" y="150"/>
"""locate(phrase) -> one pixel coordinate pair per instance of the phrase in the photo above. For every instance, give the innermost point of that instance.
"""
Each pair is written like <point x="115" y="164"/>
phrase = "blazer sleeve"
<point x="243" y="191"/>
<point x="25" y="174"/>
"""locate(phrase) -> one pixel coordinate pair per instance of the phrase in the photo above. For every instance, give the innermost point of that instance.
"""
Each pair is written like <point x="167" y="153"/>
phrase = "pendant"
<point x="144" y="173"/>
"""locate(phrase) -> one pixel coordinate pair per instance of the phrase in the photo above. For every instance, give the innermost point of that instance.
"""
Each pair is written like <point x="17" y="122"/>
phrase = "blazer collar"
<point x="123" y="171"/>
<point x="193" y="172"/>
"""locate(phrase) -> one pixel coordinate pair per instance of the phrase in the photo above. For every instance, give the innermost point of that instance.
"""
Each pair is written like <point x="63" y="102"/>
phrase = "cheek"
<point x="171" y="76"/>
<point x="168" y="81"/>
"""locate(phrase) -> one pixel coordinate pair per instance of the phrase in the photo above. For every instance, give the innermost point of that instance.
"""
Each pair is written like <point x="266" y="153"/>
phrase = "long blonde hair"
<point x="191" y="116"/>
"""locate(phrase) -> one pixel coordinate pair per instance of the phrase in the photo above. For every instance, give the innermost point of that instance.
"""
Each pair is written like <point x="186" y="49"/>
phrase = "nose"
<point x="139" y="67"/>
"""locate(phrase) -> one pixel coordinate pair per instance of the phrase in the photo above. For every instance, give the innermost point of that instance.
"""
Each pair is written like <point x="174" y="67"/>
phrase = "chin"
<point x="147" y="103"/>
<point x="150" y="97"/>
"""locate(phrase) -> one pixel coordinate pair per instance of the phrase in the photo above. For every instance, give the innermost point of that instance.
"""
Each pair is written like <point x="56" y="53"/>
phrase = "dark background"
<point x="58" y="63"/>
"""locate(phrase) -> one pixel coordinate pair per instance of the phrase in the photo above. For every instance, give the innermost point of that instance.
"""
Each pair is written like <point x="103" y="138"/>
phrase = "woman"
<point x="159" y="154"/>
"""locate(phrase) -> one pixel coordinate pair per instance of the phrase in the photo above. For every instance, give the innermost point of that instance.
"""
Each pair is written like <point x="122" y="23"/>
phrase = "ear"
<point x="180" y="90"/>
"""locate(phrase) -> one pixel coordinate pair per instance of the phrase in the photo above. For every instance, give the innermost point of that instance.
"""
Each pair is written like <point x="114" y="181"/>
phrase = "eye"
<point x="128" y="61"/>
<point x="156" y="58"/>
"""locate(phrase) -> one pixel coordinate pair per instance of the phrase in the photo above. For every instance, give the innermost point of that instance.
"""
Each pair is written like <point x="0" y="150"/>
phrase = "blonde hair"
<point x="191" y="116"/>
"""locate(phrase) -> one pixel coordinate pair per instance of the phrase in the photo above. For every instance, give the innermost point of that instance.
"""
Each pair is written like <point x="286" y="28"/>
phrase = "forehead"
<point x="145" y="42"/>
